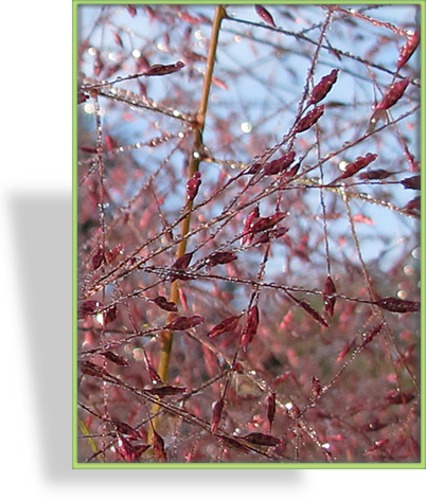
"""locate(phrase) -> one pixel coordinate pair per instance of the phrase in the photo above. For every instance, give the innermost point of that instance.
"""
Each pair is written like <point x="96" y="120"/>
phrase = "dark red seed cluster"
<point x="217" y="413"/>
<point x="163" y="303"/>
<point x="408" y="49"/>
<point x="354" y="167"/>
<point x="398" y="305"/>
<point x="250" y="327"/>
<point x="309" y="119"/>
<point x="393" y="94"/>
<point x="193" y="185"/>
<point x="328" y="296"/>
<point x="184" y="323"/>
<point x="164" y="69"/>
<point x="225" y="326"/>
<point x="265" y="15"/>
<point x="221" y="258"/>
<point x="322" y="88"/>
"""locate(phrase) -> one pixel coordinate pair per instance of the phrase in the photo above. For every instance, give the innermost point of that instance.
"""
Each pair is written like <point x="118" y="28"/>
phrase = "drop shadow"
<point x="42" y="242"/>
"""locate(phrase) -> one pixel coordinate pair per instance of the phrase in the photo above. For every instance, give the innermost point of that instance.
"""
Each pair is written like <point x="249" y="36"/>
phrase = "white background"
<point x="35" y="246"/>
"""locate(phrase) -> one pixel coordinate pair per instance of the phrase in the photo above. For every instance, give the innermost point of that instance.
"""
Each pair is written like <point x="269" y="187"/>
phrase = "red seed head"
<point x="408" y="49"/>
<point x="250" y="328"/>
<point x="221" y="258"/>
<point x="248" y="234"/>
<point x="184" y="323"/>
<point x="163" y="303"/>
<point x="87" y="308"/>
<point x="115" y="358"/>
<point x="398" y="305"/>
<point x="264" y="223"/>
<point x="378" y="173"/>
<point x="360" y="163"/>
<point x="354" y="167"/>
<point x="262" y="439"/>
<point x="158" y="447"/>
<point x="227" y="325"/>
<point x="165" y="390"/>
<point x="309" y="119"/>
<point x="193" y="185"/>
<point x="369" y="336"/>
<point x="182" y="262"/>
<point x="164" y="69"/>
<point x="98" y="259"/>
<point x="411" y="182"/>
<point x="322" y="88"/>
<point x="328" y="296"/>
<point x="110" y="314"/>
<point x="217" y="413"/>
<point x="279" y="165"/>
<point x="271" y="408"/>
<point x="393" y="94"/>
<point x="131" y="9"/>
<point x="265" y="15"/>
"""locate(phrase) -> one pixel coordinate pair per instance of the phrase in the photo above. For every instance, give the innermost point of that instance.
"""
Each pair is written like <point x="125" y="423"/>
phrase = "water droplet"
<point x="408" y="270"/>
<point x="162" y="47"/>
<point x="138" y="354"/>
<point x="416" y="253"/>
<point x="342" y="165"/>
<point x="246" y="127"/>
<point x="100" y="318"/>
<point x="112" y="56"/>
<point x="88" y="108"/>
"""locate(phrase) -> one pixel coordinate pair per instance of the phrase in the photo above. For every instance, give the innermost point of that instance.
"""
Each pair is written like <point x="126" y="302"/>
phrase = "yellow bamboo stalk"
<point x="193" y="164"/>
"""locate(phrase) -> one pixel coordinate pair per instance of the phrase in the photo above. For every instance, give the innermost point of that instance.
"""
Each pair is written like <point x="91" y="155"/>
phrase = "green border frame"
<point x="78" y="465"/>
